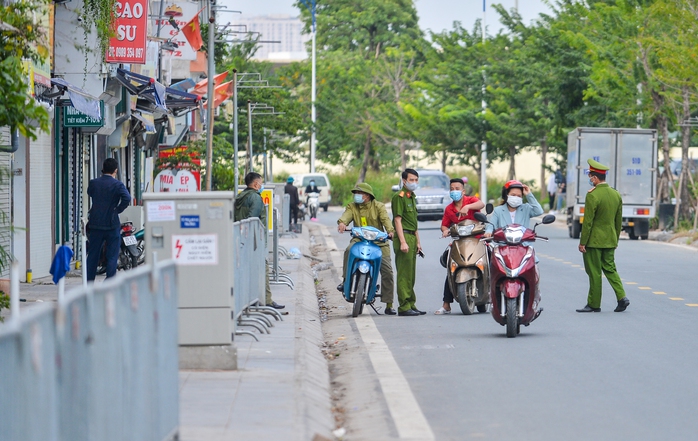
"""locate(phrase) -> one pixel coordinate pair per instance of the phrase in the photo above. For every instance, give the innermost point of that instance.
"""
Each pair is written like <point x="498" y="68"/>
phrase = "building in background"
<point x="285" y="29"/>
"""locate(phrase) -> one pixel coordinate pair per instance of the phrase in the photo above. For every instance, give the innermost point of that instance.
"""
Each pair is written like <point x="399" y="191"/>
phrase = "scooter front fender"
<point x="465" y="274"/>
<point x="513" y="288"/>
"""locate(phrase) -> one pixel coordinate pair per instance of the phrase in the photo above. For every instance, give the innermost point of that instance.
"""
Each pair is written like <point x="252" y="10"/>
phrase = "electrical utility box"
<point x="631" y="155"/>
<point x="196" y="231"/>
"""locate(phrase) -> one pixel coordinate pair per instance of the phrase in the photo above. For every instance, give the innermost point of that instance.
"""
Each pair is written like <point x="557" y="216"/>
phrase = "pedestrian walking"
<point x="292" y="191"/>
<point x="561" y="195"/>
<point x="552" y="191"/>
<point x="407" y="247"/>
<point x="249" y="204"/>
<point x="462" y="208"/>
<point x="366" y="211"/>
<point x="603" y="213"/>
<point x="109" y="198"/>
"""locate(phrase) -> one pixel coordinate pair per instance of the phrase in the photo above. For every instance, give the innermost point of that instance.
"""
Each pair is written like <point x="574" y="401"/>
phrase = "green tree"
<point x="21" y="39"/>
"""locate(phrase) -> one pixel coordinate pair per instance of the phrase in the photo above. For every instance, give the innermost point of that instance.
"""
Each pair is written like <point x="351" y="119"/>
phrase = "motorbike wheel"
<point x="313" y="212"/>
<point x="481" y="308"/>
<point x="125" y="262"/>
<point x="466" y="302"/>
<point x="512" y="320"/>
<point x="359" y="296"/>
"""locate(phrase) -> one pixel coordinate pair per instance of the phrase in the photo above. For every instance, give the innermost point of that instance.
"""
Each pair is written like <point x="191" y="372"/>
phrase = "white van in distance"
<point x="321" y="181"/>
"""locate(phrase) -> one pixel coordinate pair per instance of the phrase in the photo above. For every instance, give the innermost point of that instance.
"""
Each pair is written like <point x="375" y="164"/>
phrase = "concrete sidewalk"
<point x="281" y="390"/>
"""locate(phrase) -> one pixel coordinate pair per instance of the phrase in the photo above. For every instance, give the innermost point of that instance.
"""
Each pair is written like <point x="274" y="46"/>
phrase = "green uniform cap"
<point x="596" y="166"/>
<point x="364" y="188"/>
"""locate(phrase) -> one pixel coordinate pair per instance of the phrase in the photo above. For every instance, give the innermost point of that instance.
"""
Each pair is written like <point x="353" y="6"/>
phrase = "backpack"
<point x="559" y="179"/>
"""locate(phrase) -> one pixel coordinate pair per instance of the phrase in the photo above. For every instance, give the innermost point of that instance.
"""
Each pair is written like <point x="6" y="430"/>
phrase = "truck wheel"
<point x="632" y="235"/>
<point x="645" y="237"/>
<point x="575" y="229"/>
<point x="325" y="207"/>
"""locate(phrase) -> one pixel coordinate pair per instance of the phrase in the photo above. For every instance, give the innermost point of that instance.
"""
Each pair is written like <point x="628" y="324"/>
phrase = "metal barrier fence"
<point x="249" y="292"/>
<point x="102" y="364"/>
<point x="278" y="276"/>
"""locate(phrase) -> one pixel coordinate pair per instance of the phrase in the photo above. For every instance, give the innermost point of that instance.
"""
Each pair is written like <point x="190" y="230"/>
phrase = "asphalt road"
<point x="600" y="376"/>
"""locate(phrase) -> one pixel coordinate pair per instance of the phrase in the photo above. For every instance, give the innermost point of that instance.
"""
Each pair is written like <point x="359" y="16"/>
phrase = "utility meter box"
<point x="196" y="231"/>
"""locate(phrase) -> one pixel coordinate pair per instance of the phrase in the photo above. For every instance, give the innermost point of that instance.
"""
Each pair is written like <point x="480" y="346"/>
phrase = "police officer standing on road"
<point x="407" y="246"/>
<point x="248" y="204"/>
<point x="366" y="211"/>
<point x="109" y="199"/>
<point x="602" y="225"/>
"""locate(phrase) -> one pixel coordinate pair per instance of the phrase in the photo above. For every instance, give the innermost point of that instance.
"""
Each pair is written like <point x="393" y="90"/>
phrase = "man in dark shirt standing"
<point x="292" y="191"/>
<point x="109" y="198"/>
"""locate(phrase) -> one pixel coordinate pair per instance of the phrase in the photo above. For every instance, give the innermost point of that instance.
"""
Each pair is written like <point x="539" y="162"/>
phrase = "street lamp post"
<point x="483" y="163"/>
<point x="310" y="4"/>
<point x="209" y="93"/>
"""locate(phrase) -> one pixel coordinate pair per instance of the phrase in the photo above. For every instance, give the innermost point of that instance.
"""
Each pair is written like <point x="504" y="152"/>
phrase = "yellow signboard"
<point x="267" y="198"/>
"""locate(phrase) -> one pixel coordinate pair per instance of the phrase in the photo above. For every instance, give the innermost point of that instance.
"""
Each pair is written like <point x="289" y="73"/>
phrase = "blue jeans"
<point x="97" y="238"/>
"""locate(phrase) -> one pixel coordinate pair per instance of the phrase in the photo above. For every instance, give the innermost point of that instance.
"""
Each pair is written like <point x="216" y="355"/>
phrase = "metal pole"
<point x="264" y="130"/>
<point x="483" y="163"/>
<point x="209" y="92"/>
<point x="235" y="128"/>
<point x="313" y="114"/>
<point x="249" y="133"/>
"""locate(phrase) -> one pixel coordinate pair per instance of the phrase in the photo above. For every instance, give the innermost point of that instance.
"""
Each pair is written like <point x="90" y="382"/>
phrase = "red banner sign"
<point x="131" y="30"/>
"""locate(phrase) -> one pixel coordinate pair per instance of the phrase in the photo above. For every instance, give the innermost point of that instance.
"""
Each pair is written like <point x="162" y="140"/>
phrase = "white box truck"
<point x="631" y="155"/>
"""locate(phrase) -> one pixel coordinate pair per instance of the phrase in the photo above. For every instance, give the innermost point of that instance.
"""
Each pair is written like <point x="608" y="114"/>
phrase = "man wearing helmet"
<point x="513" y="209"/>
<point x="366" y="211"/>
<point x="292" y="191"/>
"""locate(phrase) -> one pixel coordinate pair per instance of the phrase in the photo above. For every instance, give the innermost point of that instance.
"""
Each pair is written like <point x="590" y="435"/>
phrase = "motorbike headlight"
<point x="514" y="234"/>
<point x="364" y="267"/>
<point x="465" y="230"/>
<point x="369" y="235"/>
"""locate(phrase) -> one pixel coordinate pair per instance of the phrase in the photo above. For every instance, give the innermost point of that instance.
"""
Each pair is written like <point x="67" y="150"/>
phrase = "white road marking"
<point x="408" y="417"/>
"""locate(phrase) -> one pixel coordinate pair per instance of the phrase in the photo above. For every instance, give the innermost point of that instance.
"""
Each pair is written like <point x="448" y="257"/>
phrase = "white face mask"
<point x="411" y="186"/>
<point x="514" y="201"/>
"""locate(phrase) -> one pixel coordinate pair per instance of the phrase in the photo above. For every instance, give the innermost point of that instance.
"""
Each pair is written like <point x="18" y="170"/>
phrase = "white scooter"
<point x="313" y="204"/>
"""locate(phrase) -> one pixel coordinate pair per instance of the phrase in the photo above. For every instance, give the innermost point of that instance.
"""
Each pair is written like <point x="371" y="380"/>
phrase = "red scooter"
<point x="514" y="290"/>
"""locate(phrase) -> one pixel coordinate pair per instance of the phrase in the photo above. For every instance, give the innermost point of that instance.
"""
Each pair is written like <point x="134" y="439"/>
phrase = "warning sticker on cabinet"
<point x="195" y="249"/>
<point x="161" y="211"/>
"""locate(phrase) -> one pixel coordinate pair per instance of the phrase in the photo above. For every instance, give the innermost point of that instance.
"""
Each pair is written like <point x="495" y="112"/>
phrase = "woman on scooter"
<point x="513" y="209"/>
<point x="463" y="207"/>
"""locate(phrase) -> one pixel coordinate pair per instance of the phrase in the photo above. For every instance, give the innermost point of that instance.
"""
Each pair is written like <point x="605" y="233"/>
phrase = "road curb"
<point x="312" y="375"/>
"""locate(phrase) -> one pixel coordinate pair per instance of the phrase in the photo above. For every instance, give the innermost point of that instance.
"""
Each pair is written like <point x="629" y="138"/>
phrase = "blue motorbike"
<point x="363" y="268"/>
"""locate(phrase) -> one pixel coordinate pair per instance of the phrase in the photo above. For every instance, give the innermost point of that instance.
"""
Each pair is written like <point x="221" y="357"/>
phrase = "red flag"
<point x="221" y="93"/>
<point x="202" y="86"/>
<point x="192" y="30"/>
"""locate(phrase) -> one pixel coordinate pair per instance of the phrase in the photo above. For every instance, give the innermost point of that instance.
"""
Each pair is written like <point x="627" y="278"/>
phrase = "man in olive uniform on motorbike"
<point x="366" y="211"/>
<point x="603" y="215"/>
<point x="407" y="247"/>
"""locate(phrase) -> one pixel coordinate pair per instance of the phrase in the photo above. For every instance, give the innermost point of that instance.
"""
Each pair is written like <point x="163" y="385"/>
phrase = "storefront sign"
<point x="129" y="44"/>
<point x="74" y="118"/>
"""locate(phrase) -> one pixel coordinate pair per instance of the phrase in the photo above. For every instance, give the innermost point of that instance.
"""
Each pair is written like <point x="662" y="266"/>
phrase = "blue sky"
<point x="433" y="14"/>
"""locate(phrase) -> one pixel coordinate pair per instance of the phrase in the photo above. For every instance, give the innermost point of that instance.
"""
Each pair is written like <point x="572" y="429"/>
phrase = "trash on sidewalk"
<point x="294" y="253"/>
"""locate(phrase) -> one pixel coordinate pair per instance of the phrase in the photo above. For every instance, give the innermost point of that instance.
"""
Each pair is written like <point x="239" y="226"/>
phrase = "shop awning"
<point x="147" y="120"/>
<point x="161" y="97"/>
<point x="81" y="100"/>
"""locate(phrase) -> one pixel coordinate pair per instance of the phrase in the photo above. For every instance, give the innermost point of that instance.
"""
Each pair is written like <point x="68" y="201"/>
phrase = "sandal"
<point x="442" y="311"/>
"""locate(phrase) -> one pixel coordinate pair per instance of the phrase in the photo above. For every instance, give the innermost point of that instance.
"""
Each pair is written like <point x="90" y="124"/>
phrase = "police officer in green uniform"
<point x="602" y="225"/>
<point x="407" y="246"/>
<point x="366" y="211"/>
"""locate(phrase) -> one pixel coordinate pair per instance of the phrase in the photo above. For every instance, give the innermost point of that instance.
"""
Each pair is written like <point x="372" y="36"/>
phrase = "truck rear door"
<point x="599" y="145"/>
<point x="637" y="165"/>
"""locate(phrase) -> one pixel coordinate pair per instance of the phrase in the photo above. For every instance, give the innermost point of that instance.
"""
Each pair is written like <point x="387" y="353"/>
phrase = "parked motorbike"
<point x="302" y="211"/>
<point x="514" y="277"/>
<point x="313" y="204"/>
<point x="130" y="254"/>
<point x="468" y="267"/>
<point x="140" y="237"/>
<point x="363" y="268"/>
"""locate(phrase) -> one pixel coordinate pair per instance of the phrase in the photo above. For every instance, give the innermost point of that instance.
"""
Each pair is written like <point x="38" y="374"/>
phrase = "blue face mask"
<point x="358" y="198"/>
<point x="456" y="195"/>
<point x="261" y="189"/>
<point x="591" y="182"/>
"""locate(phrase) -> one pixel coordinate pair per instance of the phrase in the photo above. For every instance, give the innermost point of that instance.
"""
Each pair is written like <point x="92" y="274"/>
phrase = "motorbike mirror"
<point x="489" y="208"/>
<point x="480" y="217"/>
<point x="548" y="219"/>
<point x="396" y="188"/>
